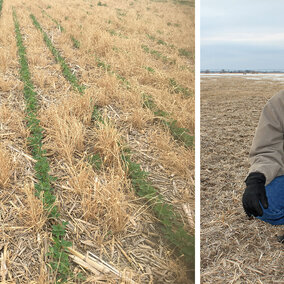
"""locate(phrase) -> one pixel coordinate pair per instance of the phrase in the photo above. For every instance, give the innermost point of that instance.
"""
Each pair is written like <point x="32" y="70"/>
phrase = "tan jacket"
<point x="267" y="153"/>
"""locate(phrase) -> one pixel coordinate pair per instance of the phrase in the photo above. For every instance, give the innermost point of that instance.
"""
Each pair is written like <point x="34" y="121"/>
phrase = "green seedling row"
<point x="59" y="261"/>
<point x="120" y="13"/>
<point x="67" y="73"/>
<point x="181" y="134"/>
<point x="172" y="226"/>
<point x="157" y="54"/>
<point x="114" y="33"/>
<point x="55" y="21"/>
<point x="184" y="52"/>
<point x="107" y="67"/>
<point x="101" y="4"/>
<point x="149" y="69"/>
<point x="159" y="41"/>
<point x="179" y="89"/>
<point x="76" y="43"/>
<point x="173" y="24"/>
<point x="178" y="133"/>
<point x="1" y="5"/>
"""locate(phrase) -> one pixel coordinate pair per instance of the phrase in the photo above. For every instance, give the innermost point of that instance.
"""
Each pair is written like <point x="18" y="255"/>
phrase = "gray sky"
<point x="242" y="34"/>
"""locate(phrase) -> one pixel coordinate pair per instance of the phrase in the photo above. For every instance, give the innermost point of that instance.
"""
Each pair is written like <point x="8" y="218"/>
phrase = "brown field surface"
<point x="233" y="248"/>
<point x="135" y="60"/>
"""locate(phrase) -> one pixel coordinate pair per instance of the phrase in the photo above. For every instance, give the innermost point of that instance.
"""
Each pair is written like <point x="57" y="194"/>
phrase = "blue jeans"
<point x="274" y="214"/>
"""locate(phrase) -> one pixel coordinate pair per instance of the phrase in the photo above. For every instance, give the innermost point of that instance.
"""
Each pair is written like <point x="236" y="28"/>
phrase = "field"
<point x="234" y="249"/>
<point x="97" y="141"/>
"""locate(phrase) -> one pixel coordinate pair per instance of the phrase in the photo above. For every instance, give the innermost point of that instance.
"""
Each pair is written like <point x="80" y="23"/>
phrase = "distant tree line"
<point x="247" y="71"/>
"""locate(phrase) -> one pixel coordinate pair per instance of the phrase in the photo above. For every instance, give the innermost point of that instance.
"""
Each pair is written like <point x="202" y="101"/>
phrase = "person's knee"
<point x="273" y="215"/>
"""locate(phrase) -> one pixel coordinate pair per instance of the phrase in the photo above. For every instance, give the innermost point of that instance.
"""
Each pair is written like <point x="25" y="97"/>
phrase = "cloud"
<point x="241" y="34"/>
<point x="234" y="56"/>
<point x="245" y="38"/>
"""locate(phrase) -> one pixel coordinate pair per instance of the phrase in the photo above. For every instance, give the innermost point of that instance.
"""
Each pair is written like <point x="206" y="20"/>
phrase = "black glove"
<point x="255" y="193"/>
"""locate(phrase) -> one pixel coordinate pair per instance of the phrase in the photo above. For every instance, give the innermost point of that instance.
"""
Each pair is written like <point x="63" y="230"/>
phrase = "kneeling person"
<point x="264" y="194"/>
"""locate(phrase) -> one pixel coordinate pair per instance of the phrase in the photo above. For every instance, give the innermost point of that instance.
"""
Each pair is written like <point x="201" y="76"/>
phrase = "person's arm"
<point x="266" y="155"/>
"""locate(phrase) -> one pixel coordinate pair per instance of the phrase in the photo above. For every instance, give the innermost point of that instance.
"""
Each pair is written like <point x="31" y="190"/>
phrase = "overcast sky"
<point x="242" y="34"/>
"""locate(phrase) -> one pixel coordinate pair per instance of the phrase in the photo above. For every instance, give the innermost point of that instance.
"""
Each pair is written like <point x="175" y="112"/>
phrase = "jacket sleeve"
<point x="266" y="154"/>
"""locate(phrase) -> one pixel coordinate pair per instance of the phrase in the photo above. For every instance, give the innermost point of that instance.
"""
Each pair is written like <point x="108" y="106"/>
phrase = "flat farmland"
<point x="232" y="247"/>
<point x="97" y="141"/>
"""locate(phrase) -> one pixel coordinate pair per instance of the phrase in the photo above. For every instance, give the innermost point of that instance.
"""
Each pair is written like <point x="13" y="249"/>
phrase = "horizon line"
<point x="240" y="70"/>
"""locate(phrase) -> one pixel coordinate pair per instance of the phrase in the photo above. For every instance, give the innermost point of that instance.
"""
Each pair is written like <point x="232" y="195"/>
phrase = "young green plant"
<point x="59" y="261"/>
<point x="67" y="73"/>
